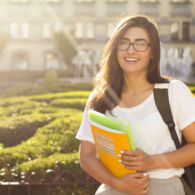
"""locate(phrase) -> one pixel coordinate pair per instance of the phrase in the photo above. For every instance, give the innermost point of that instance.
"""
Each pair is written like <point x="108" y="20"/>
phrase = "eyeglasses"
<point x="139" y="45"/>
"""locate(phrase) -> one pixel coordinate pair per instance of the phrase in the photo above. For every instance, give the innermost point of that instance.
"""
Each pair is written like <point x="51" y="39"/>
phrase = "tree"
<point x="65" y="46"/>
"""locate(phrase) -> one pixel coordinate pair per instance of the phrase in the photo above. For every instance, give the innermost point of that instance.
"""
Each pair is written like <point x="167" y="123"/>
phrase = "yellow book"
<point x="109" y="143"/>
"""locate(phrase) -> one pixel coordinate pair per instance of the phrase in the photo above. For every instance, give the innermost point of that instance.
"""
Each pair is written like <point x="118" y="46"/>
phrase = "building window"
<point x="25" y="31"/>
<point x="79" y="30"/>
<point x="90" y="30"/>
<point x="58" y="27"/>
<point x="19" y="30"/>
<point x="186" y="31"/>
<point x="175" y="31"/>
<point x="84" y="30"/>
<point x="110" y="28"/>
<point x="47" y="34"/>
<point x="180" y="31"/>
<point x="52" y="61"/>
<point x="20" y="61"/>
<point x="49" y="29"/>
<point x="14" y="30"/>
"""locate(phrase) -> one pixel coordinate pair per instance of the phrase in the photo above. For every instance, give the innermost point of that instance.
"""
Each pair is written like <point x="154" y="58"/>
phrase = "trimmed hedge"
<point x="13" y="101"/>
<point x="58" y="136"/>
<point x="69" y="103"/>
<point x="42" y="129"/>
<point x="16" y="129"/>
<point x="27" y="107"/>
<point x="27" y="90"/>
<point x="44" y="169"/>
<point x="39" y="166"/>
<point x="65" y="95"/>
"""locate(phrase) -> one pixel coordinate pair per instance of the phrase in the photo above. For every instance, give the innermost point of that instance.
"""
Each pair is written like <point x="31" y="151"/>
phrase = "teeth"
<point x="131" y="59"/>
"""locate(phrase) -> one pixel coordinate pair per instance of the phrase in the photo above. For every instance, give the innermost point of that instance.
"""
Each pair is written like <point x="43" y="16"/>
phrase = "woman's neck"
<point x="136" y="84"/>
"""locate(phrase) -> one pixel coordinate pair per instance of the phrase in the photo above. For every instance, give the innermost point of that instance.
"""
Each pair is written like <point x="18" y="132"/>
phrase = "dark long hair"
<point x="109" y="80"/>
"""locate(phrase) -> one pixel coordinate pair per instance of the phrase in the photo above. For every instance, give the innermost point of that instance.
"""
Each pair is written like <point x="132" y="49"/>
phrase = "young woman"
<point x="124" y="89"/>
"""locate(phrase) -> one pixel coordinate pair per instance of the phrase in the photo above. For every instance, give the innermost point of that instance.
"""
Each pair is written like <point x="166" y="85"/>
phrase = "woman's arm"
<point x="92" y="165"/>
<point x="135" y="183"/>
<point x="182" y="157"/>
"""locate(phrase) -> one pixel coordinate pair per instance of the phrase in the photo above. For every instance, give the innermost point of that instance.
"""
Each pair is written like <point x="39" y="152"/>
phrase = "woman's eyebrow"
<point x="138" y="39"/>
<point x="125" y="38"/>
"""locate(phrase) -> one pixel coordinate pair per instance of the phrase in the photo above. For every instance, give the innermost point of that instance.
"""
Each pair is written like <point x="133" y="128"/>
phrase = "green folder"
<point x="112" y="123"/>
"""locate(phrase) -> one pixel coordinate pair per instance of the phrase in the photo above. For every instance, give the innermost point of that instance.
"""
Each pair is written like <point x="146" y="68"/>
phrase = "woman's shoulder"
<point x="177" y="84"/>
<point x="179" y="89"/>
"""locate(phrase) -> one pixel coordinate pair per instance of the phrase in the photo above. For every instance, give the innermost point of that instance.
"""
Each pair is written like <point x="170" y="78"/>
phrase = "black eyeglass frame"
<point x="147" y="44"/>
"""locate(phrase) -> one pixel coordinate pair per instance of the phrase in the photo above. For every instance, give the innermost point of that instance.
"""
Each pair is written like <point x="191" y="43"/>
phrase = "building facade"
<point x="31" y="25"/>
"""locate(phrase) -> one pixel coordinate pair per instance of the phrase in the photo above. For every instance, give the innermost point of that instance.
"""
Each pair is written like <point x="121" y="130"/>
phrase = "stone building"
<point x="31" y="25"/>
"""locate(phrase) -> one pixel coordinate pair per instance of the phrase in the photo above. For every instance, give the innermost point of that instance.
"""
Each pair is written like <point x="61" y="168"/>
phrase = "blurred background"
<point x="68" y="36"/>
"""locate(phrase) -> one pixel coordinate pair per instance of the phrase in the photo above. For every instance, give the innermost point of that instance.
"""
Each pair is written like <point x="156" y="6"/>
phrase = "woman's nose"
<point x="130" y="48"/>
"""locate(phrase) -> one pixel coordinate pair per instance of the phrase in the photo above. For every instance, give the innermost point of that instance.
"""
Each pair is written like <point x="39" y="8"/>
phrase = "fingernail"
<point x="121" y="151"/>
<point x="120" y="160"/>
<point x="145" y="174"/>
<point x="119" y="155"/>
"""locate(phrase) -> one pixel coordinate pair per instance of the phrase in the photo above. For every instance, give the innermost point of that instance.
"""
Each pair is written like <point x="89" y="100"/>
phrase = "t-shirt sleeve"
<point x="182" y="104"/>
<point x="84" y="132"/>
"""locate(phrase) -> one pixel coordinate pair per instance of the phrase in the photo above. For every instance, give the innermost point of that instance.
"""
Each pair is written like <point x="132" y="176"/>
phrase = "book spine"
<point x="130" y="136"/>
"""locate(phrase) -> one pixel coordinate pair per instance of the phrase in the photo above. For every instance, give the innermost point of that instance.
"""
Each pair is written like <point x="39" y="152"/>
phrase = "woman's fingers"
<point x="134" y="164"/>
<point x="131" y="155"/>
<point x="137" y="160"/>
<point x="130" y="158"/>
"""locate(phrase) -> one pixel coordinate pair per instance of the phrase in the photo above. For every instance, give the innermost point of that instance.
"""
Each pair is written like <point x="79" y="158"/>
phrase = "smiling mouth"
<point x="131" y="59"/>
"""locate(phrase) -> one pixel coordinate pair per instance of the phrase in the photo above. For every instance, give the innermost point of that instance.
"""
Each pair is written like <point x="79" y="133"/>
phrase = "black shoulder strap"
<point x="162" y="103"/>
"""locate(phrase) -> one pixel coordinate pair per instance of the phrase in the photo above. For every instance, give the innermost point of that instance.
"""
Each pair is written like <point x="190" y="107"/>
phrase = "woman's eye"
<point x="140" y="43"/>
<point x="123" y="42"/>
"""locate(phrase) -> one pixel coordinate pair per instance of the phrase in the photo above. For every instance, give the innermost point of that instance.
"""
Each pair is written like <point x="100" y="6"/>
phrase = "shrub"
<point x="39" y="166"/>
<point x="49" y="109"/>
<point x="50" y="124"/>
<point x="75" y="86"/>
<point x="51" y="81"/>
<point x="65" y="95"/>
<point x="69" y="103"/>
<point x="58" y="136"/>
<point x="13" y="130"/>
<point x="30" y="89"/>
<point x="27" y="107"/>
<point x="65" y="166"/>
<point x="21" y="90"/>
<point x="13" y="101"/>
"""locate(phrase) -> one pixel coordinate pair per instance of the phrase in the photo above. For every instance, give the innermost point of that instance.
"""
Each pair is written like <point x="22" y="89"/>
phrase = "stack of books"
<point x="111" y="136"/>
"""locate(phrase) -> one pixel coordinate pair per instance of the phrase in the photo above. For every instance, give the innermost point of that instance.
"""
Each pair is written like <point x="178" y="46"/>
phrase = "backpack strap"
<point x="162" y="103"/>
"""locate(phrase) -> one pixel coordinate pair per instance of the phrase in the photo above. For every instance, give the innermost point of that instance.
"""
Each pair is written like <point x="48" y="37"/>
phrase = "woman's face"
<point x="134" y="60"/>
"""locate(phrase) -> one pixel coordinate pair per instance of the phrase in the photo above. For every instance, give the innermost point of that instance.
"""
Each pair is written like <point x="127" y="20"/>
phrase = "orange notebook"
<point x="109" y="143"/>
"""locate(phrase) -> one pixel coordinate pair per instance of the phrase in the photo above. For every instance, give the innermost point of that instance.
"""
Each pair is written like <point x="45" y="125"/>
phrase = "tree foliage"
<point x="65" y="46"/>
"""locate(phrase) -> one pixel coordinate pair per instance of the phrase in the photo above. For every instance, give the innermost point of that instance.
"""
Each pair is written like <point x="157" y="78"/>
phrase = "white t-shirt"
<point x="149" y="131"/>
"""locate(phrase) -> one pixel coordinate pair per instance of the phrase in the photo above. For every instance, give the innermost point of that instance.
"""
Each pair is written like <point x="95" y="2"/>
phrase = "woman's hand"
<point x="133" y="183"/>
<point x="136" y="160"/>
